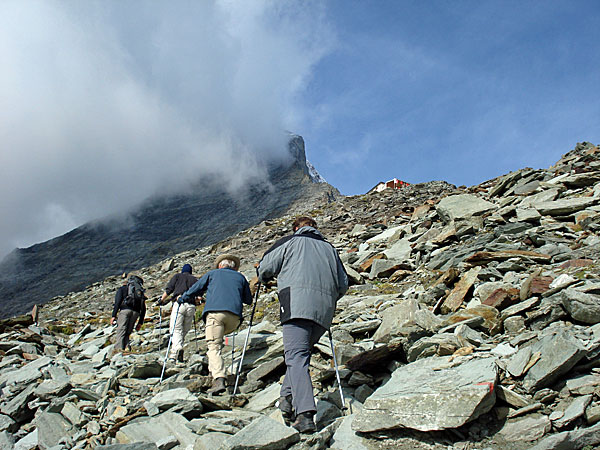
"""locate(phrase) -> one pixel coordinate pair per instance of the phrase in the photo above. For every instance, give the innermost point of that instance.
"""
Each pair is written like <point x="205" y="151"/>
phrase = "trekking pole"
<point x="195" y="330"/>
<point x="232" y="348"/>
<point x="239" y="369"/>
<point x="169" y="345"/>
<point x="337" y="371"/>
<point x="159" y="325"/>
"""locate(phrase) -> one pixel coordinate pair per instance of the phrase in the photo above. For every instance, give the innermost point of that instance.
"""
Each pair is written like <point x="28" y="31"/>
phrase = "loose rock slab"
<point x="430" y="394"/>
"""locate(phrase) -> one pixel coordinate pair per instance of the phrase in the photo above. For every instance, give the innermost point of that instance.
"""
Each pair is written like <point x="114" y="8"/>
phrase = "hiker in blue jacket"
<point x="226" y="290"/>
<point x="310" y="280"/>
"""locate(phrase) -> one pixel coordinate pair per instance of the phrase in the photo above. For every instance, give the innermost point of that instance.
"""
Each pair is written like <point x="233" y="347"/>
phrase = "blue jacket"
<point x="310" y="276"/>
<point x="226" y="289"/>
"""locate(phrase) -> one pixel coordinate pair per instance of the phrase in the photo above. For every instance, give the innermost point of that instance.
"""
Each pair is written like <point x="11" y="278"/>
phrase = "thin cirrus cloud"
<point x="108" y="103"/>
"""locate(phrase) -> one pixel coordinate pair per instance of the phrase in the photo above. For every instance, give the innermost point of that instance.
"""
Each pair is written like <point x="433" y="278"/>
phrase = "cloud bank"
<point x="107" y="103"/>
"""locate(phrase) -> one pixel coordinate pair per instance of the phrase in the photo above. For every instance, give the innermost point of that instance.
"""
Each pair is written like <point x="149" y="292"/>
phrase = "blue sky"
<point x="460" y="91"/>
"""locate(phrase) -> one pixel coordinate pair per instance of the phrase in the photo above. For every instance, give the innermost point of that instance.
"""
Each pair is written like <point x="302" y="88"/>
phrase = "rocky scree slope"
<point x="472" y="322"/>
<point x="159" y="228"/>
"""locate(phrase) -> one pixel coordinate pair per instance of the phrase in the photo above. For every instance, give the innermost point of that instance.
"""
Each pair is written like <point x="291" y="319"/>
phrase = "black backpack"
<point x="135" y="293"/>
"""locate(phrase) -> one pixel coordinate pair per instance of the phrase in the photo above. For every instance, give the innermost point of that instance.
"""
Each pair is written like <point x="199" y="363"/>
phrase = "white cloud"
<point x="106" y="103"/>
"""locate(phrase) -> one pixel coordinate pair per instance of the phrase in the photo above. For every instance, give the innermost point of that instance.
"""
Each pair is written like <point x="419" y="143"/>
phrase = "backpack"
<point x="135" y="293"/>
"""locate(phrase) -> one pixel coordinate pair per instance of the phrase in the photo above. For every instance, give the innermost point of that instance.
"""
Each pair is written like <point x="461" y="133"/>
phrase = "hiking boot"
<point x="180" y="356"/>
<point x="219" y="386"/>
<point x="286" y="408"/>
<point x="304" y="423"/>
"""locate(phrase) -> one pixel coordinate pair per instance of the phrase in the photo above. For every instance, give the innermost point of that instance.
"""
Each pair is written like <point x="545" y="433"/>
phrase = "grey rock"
<point x="172" y="397"/>
<point x="167" y="443"/>
<point x="583" y="385"/>
<point x="134" y="446"/>
<point x="431" y="394"/>
<point x="52" y="428"/>
<point x="17" y="407"/>
<point x="7" y="441"/>
<point x="517" y="364"/>
<point x="511" y="397"/>
<point x="156" y="428"/>
<point x="462" y="206"/>
<point x="363" y="392"/>
<point x="7" y="424"/>
<point x="345" y="438"/>
<point x="211" y="441"/>
<point x="73" y="414"/>
<point x="400" y="251"/>
<point x="51" y="388"/>
<point x="145" y="369"/>
<point x="564" y="206"/>
<point x="527" y="429"/>
<point x="439" y="344"/>
<point x="263" y="433"/>
<point x="27" y="373"/>
<point x="28" y="442"/>
<point x="265" y="369"/>
<point x="264" y="399"/>
<point x="514" y="324"/>
<point x="574" y="410"/>
<point x="580" y="306"/>
<point x="559" y="353"/>
<point x="326" y="413"/>
<point x="569" y="440"/>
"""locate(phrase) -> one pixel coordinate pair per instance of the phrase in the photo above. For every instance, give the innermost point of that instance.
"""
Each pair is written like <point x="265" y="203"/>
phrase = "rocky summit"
<point x="160" y="227"/>
<point x="472" y="322"/>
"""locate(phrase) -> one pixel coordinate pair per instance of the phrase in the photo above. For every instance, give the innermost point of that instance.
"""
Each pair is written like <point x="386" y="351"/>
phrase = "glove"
<point x="180" y="299"/>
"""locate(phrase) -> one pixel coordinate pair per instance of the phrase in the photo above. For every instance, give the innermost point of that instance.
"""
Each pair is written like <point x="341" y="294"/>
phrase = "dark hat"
<point x="233" y="258"/>
<point x="186" y="268"/>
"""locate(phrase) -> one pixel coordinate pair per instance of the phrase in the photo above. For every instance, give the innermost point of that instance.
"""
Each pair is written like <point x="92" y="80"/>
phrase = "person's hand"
<point x="113" y="320"/>
<point x="253" y="285"/>
<point x="180" y="299"/>
<point x="138" y="327"/>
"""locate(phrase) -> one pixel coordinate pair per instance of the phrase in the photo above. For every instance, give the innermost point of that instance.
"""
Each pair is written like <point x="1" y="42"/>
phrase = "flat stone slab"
<point x="527" y="429"/>
<point x="462" y="206"/>
<point x="156" y="428"/>
<point x="431" y="394"/>
<point x="263" y="433"/>
<point x="559" y="353"/>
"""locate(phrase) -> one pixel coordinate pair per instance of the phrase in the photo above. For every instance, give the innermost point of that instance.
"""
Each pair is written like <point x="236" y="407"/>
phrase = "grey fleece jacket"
<point x="310" y="276"/>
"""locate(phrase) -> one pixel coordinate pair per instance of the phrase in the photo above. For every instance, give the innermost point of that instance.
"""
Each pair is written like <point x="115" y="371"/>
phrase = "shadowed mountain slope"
<point x="158" y="228"/>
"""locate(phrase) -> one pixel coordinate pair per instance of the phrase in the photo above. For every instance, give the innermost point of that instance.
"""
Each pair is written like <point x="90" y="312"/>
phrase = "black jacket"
<point x="120" y="297"/>
<point x="180" y="283"/>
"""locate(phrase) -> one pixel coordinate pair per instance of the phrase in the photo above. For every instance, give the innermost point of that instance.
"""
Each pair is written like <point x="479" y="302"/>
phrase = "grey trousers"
<point x="125" y="323"/>
<point x="299" y="337"/>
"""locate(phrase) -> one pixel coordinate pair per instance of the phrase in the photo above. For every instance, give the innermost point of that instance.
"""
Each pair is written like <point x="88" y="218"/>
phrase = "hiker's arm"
<point x="196" y="290"/>
<point x="247" y="295"/>
<point x="342" y="279"/>
<point x="142" y="315"/>
<point x="163" y="298"/>
<point x="117" y="306"/>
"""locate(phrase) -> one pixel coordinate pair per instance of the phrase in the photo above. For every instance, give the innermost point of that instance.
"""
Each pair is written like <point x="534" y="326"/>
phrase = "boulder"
<point x="431" y="394"/>
<point x="462" y="206"/>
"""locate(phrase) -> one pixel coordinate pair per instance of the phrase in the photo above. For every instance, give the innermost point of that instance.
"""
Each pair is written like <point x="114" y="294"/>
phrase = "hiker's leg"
<point x="215" y="330"/>
<point x="131" y="321"/>
<point x="176" y="328"/>
<point x="298" y="339"/>
<point x="188" y="319"/>
<point x="230" y="321"/>
<point x="122" y="336"/>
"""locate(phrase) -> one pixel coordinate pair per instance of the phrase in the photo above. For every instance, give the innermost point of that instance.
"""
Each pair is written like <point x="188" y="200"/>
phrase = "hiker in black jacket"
<point x="184" y="312"/>
<point x="125" y="313"/>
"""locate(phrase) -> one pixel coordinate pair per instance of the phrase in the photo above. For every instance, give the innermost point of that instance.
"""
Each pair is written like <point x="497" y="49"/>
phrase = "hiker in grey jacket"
<point x="310" y="280"/>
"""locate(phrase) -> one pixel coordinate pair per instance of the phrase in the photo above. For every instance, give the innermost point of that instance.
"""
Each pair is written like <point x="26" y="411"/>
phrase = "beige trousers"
<point x="218" y="324"/>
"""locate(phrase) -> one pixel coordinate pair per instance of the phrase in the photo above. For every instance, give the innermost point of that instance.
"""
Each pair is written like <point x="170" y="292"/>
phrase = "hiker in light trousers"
<point x="310" y="280"/>
<point x="226" y="291"/>
<point x="184" y="312"/>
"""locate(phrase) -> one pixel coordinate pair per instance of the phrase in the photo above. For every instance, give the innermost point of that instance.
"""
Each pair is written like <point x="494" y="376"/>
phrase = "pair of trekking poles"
<point x="171" y="336"/>
<point x="239" y="368"/>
